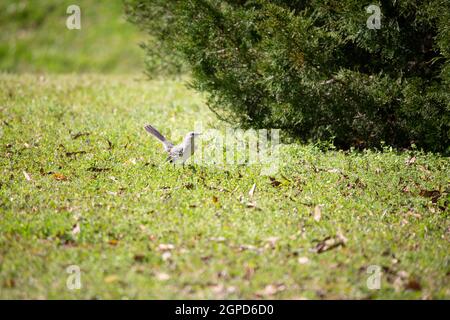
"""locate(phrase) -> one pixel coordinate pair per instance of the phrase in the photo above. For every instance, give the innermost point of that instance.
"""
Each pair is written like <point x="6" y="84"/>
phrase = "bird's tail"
<point x="155" y="132"/>
<point x="159" y="136"/>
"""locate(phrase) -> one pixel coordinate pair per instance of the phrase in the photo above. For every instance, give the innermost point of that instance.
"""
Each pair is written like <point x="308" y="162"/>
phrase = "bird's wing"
<point x="167" y="144"/>
<point x="177" y="151"/>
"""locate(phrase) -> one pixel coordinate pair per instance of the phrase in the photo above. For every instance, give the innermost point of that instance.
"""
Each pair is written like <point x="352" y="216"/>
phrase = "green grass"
<point x="34" y="38"/>
<point x="129" y="204"/>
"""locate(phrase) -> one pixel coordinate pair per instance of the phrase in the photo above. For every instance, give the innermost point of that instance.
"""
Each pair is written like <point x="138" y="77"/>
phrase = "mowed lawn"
<point x="81" y="183"/>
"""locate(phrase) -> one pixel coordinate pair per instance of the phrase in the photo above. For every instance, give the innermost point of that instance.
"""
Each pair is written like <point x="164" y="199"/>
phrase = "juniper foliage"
<point x="313" y="68"/>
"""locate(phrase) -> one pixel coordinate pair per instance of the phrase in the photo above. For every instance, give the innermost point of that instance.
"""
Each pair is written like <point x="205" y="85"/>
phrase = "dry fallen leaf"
<point x="413" y="284"/>
<point x="433" y="194"/>
<point x="303" y="260"/>
<point x="79" y="134"/>
<point x="139" y="257"/>
<point x="247" y="247"/>
<point x="9" y="283"/>
<point x="249" y="272"/>
<point x="27" y="176"/>
<point x="330" y="243"/>
<point x="189" y="186"/>
<point x="131" y="161"/>
<point x="317" y="213"/>
<point x="95" y="169"/>
<point x="166" y="256"/>
<point x="221" y="290"/>
<point x="111" y="278"/>
<point x="271" y="290"/>
<point x="252" y="190"/>
<point x="272" y="241"/>
<point x="74" y="153"/>
<point x="76" y="229"/>
<point x="251" y="204"/>
<point x="59" y="176"/>
<point x="161" y="276"/>
<point x="410" y="161"/>
<point x="334" y="170"/>
<point x="403" y="280"/>
<point x="218" y="239"/>
<point x="166" y="247"/>
<point x="113" y="242"/>
<point x="414" y="214"/>
<point x="274" y="182"/>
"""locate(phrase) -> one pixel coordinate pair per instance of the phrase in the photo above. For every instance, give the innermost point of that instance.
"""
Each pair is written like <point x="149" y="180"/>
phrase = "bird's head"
<point x="191" y="135"/>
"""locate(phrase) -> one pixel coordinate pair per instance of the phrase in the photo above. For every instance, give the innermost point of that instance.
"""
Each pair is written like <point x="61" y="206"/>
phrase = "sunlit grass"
<point x="74" y="157"/>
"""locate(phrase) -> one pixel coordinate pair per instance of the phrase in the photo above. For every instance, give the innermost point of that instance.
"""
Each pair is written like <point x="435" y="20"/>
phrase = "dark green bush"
<point x="313" y="68"/>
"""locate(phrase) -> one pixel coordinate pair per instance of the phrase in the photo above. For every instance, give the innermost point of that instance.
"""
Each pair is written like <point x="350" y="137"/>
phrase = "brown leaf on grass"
<point x="215" y="199"/>
<point x="161" y="276"/>
<point x="413" y="214"/>
<point x="131" y="161"/>
<point x="403" y="280"/>
<point x="303" y="260"/>
<point x="249" y="272"/>
<point x="404" y="222"/>
<point x="247" y="247"/>
<point x="329" y="243"/>
<point x="217" y="239"/>
<point x="111" y="278"/>
<point x="274" y="182"/>
<point x="27" y="176"/>
<point x="424" y="169"/>
<point x="334" y="170"/>
<point x="95" y="169"/>
<point x="252" y="191"/>
<point x="272" y="241"/>
<point x="221" y="291"/>
<point x="79" y="134"/>
<point x="410" y="161"/>
<point x="166" y="256"/>
<point x="76" y="229"/>
<point x="139" y="257"/>
<point x="59" y="177"/>
<point x="189" y="186"/>
<point x="113" y="242"/>
<point x="9" y="283"/>
<point x="252" y="204"/>
<point x="433" y="194"/>
<point x="166" y="247"/>
<point x="413" y="284"/>
<point x="317" y="213"/>
<point x="271" y="290"/>
<point x="360" y="184"/>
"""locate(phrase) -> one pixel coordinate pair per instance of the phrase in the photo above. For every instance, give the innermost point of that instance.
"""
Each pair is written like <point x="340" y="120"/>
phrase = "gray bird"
<point x="179" y="153"/>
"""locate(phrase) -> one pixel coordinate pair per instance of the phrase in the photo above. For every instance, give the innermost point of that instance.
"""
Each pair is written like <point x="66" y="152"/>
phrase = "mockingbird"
<point x="179" y="153"/>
